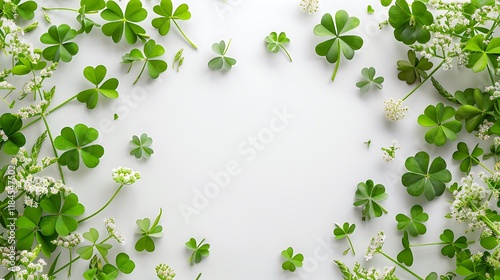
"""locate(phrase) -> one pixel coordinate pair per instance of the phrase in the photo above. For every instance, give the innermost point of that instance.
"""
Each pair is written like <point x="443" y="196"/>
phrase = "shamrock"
<point x="62" y="219"/>
<point x="476" y="108"/>
<point x="482" y="55"/>
<point x="452" y="246"/>
<point x="468" y="159"/>
<point x="409" y="25"/>
<point x="291" y="261"/>
<point x="414" y="224"/>
<point x="166" y="12"/>
<point x="28" y="230"/>
<point x="141" y="148"/>
<point x="443" y="129"/>
<point x="369" y="79"/>
<point x="86" y="252"/>
<point x="369" y="196"/>
<point x="148" y="232"/>
<point x="414" y="69"/>
<point x="221" y="62"/>
<point x="11" y="139"/>
<point x="276" y="42"/>
<point x="59" y="38"/>
<point x="96" y="76"/>
<point x="120" y="23"/>
<point x="344" y="231"/>
<point x="151" y="52"/>
<point x="406" y="255"/>
<point x="200" y="250"/>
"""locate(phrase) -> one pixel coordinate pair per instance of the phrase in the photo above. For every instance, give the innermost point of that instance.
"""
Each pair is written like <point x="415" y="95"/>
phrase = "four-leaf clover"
<point x="291" y="261"/>
<point x="442" y="129"/>
<point x="409" y="24"/>
<point x="62" y="219"/>
<point x="369" y="79"/>
<point x="369" y="196"/>
<point x="413" y="70"/>
<point x="86" y="252"/>
<point x="96" y="76"/>
<point x="141" y="146"/>
<point x="59" y="38"/>
<point x="276" y="42"/>
<point x="120" y="22"/>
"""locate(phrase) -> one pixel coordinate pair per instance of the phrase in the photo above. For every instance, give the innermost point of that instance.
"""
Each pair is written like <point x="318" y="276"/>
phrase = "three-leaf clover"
<point x="166" y="12"/>
<point x="148" y="232"/>
<point x="86" y="252"/>
<point x="369" y="79"/>
<point x="276" y="42"/>
<point x="344" y="231"/>
<point x="291" y="261"/>
<point x="468" y="159"/>
<point x="221" y="62"/>
<point x="62" y="219"/>
<point x="141" y="146"/>
<point x="482" y="55"/>
<point x="442" y="129"/>
<point x="110" y="272"/>
<point x="414" y="69"/>
<point x="340" y="43"/>
<point x="11" y="139"/>
<point x="424" y="179"/>
<point x="150" y="57"/>
<point x="29" y="230"/>
<point x="406" y="255"/>
<point x="410" y="24"/>
<point x="96" y="76"/>
<point x="120" y="23"/>
<point x="200" y="250"/>
<point x="452" y="246"/>
<point x="414" y="224"/>
<point x="59" y="38"/>
<point x="25" y="66"/>
<point x="369" y="196"/>
<point x="75" y="142"/>
<point x="476" y="110"/>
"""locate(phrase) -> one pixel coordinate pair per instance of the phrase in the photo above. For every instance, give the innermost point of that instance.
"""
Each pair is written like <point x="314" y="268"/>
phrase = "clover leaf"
<point x="26" y="10"/>
<point x="386" y="3"/>
<point x="424" y="179"/>
<point x="151" y="51"/>
<point x="468" y="159"/>
<point x="59" y="38"/>
<point x="75" y="142"/>
<point x="62" y="221"/>
<point x="344" y="231"/>
<point x="410" y="24"/>
<point x="369" y="196"/>
<point x="25" y="66"/>
<point x="148" y="232"/>
<point x="142" y="148"/>
<point x="120" y="23"/>
<point x="86" y="252"/>
<point x="291" y="261"/>
<point x="482" y="55"/>
<point x="477" y="111"/>
<point x="166" y="12"/>
<point x="28" y="230"/>
<point x="442" y="130"/>
<point x="452" y="246"/>
<point x="339" y="44"/>
<point x="88" y="7"/>
<point x="414" y="224"/>
<point x="200" y="250"/>
<point x="406" y="255"/>
<point x="221" y="62"/>
<point x="96" y="76"/>
<point x="414" y="69"/>
<point x="276" y="42"/>
<point x="369" y="79"/>
<point x="11" y="139"/>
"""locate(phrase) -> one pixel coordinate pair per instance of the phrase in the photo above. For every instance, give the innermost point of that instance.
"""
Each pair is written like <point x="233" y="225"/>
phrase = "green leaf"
<point x="120" y="23"/>
<point x="141" y="146"/>
<point x="221" y="62"/>
<point x="386" y="3"/>
<point x="276" y="42"/>
<point x="476" y="110"/>
<point x="59" y="37"/>
<point x="62" y="221"/>
<point x="124" y="263"/>
<point x="468" y="159"/>
<point x="414" y="69"/>
<point x="96" y="76"/>
<point x="369" y="79"/>
<point x="410" y="24"/>
<point x="369" y="9"/>
<point x="406" y="255"/>
<point x="424" y="179"/>
<point x="414" y="224"/>
<point x="482" y="55"/>
<point x="167" y="15"/>
<point x="151" y="51"/>
<point x="27" y="10"/>
<point x="200" y="250"/>
<point x="10" y="126"/>
<point x="442" y="130"/>
<point x="452" y="246"/>
<point x="292" y="262"/>
<point x="148" y="232"/>
<point x="369" y="196"/>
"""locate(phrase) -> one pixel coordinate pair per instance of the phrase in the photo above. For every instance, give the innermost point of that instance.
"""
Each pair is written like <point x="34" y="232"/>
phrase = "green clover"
<point x="200" y="250"/>
<point x="96" y="76"/>
<point x="476" y="106"/>
<point x="29" y="230"/>
<point x="406" y="255"/>
<point x="221" y="62"/>
<point x="468" y="159"/>
<point x="62" y="221"/>
<point x="75" y="142"/>
<point x="59" y="38"/>
<point x="452" y="246"/>
<point x="166" y="12"/>
<point x="442" y="129"/>
<point x="482" y="55"/>
<point x="414" y="224"/>
<point x="339" y="44"/>
<point x="344" y="231"/>
<point x="110" y="272"/>
<point x="25" y="66"/>
<point x="151" y="52"/>
<point x="369" y="79"/>
<point x="148" y="232"/>
<point x="120" y="23"/>
<point x="410" y="24"/>
<point x="369" y="196"/>
<point x="291" y="261"/>
<point x="88" y="7"/>
<point x="141" y="146"/>
<point x="276" y="42"/>
<point x="424" y="179"/>
<point x="10" y="9"/>
<point x="86" y="252"/>
<point x="11" y="139"/>
<point x="414" y="69"/>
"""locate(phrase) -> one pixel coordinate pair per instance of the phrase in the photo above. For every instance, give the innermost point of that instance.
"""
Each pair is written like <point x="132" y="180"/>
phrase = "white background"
<point x="303" y="180"/>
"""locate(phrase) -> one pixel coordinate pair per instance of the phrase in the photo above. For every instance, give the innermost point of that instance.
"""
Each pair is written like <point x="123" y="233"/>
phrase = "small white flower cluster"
<point x="394" y="110"/>
<point x="373" y="273"/>
<point x="484" y="14"/>
<point x="5" y="253"/>
<point x="46" y="185"/>
<point x="3" y="136"/>
<point x="47" y="161"/>
<point x="390" y="152"/>
<point x="31" y="110"/>
<point x="69" y="241"/>
<point x="32" y="270"/>
<point x="310" y="6"/>
<point x="47" y="72"/>
<point x="125" y="176"/>
<point x="494" y="258"/>
<point x="493" y="90"/>
<point x="10" y="27"/>
<point x="164" y="272"/>
<point x="110" y="225"/>
<point x="484" y="128"/>
<point x="6" y="85"/>
<point x="31" y="86"/>
<point x="375" y="245"/>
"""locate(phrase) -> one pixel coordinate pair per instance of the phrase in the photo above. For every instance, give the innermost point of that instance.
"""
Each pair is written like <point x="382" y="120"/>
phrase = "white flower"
<point x="310" y="6"/>
<point x="394" y="110"/>
<point x="164" y="272"/>
<point x="375" y="245"/>
<point x="110" y="225"/>
<point x="28" y="201"/>
<point x="3" y="136"/>
<point x="6" y="85"/>
<point x="390" y="152"/>
<point x="69" y="241"/>
<point x="125" y="176"/>
<point x="484" y="129"/>
<point x="32" y="110"/>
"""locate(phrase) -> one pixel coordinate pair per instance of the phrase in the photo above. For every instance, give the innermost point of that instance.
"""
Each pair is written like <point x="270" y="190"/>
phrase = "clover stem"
<point x="49" y="112"/>
<point x="482" y="165"/>
<point x="140" y="74"/>
<point x="66" y="265"/>
<point x="289" y="57"/>
<point x="400" y="265"/>
<point x="59" y="9"/>
<point x="336" y="64"/>
<point x="227" y="47"/>
<point x="425" y="80"/>
<point x="199" y="275"/>
<point x="103" y="207"/>
<point x="491" y="75"/>
<point x="184" y="35"/>
<point x="53" y="147"/>
<point x="350" y="244"/>
<point x="70" y="258"/>
<point x="437" y="243"/>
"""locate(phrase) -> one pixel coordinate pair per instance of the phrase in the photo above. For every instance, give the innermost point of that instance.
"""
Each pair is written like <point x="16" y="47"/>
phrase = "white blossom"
<point x="164" y="272"/>
<point x="110" y="225"/>
<point x="394" y="110"/>
<point x="125" y="176"/>
<point x="310" y="6"/>
<point x="375" y="245"/>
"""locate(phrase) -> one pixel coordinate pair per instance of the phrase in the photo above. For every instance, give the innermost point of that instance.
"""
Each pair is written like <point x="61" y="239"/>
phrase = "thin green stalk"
<point x="337" y="65"/>
<point x="140" y="74"/>
<point x="53" y="147"/>
<point x="289" y="57"/>
<point x="350" y="244"/>
<point x="184" y="35"/>
<point x="60" y="9"/>
<point x="105" y="205"/>
<point x="400" y="265"/>
<point x="49" y="112"/>
<point x="199" y="275"/>
<point x="227" y="47"/>
<point x="437" y="243"/>
<point x="66" y="265"/>
<point x="482" y="165"/>
<point x="491" y="75"/>
<point x="425" y="80"/>
<point x="199" y="245"/>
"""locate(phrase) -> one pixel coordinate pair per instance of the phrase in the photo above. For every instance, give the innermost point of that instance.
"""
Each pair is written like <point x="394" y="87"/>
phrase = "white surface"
<point x="296" y="187"/>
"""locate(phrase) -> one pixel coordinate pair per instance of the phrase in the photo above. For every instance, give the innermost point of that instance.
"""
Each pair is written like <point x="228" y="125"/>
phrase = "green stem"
<point x="337" y="65"/>
<point x="66" y="265"/>
<point x="482" y="165"/>
<point x="227" y="47"/>
<point x="49" y="112"/>
<point x="140" y="74"/>
<point x="289" y="57"/>
<point x="105" y="205"/>
<point x="60" y="9"/>
<point x="53" y="147"/>
<point x="425" y="80"/>
<point x="70" y="258"/>
<point x="491" y="75"/>
<point x="199" y="275"/>
<point x="184" y="35"/>
<point x="350" y="244"/>
<point x="401" y="266"/>
<point x="437" y="243"/>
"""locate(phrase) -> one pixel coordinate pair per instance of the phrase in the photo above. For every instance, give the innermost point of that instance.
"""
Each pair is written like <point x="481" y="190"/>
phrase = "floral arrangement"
<point x="40" y="214"/>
